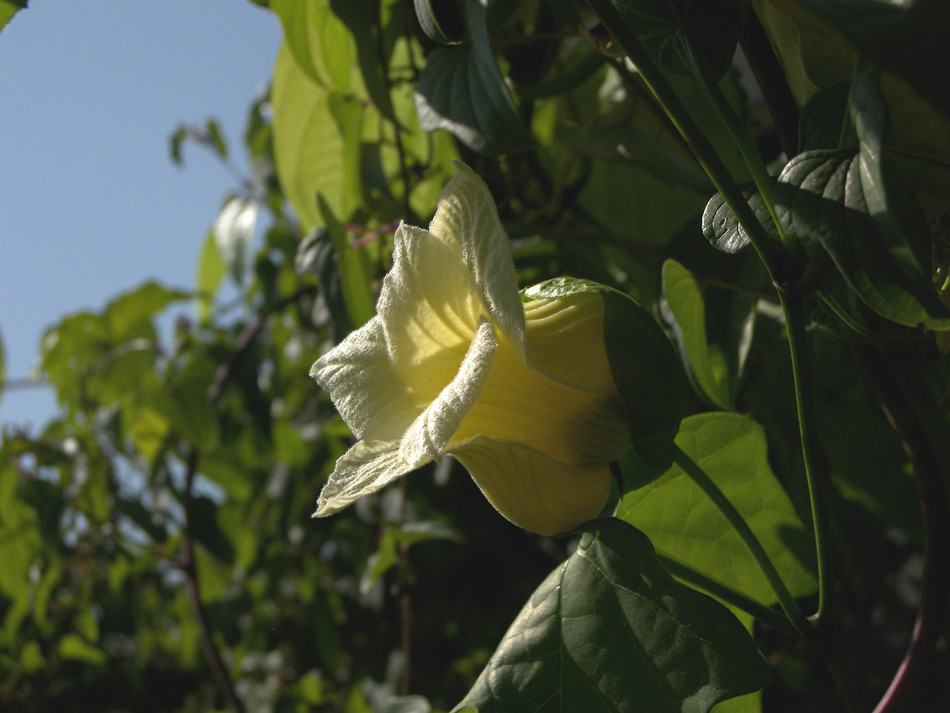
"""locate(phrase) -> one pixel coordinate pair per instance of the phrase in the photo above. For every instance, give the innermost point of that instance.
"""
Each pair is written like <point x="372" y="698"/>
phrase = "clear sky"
<point x="90" y="203"/>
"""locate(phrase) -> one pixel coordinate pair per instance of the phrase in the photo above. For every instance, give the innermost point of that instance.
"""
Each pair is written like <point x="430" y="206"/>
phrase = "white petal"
<point x="426" y="438"/>
<point x="466" y="217"/>
<point x="365" y="468"/>
<point x="532" y="490"/>
<point x="364" y="387"/>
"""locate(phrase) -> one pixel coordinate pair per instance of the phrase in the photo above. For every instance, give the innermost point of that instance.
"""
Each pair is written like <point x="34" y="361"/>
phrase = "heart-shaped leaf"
<point x="685" y="525"/>
<point x="669" y="28"/>
<point x="460" y="89"/>
<point x="610" y="629"/>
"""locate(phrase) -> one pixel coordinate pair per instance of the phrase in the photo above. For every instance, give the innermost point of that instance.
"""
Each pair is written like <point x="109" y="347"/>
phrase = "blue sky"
<point x="90" y="203"/>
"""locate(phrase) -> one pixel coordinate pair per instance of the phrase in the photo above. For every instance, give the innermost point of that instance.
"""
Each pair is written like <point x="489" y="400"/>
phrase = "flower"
<point x="455" y="362"/>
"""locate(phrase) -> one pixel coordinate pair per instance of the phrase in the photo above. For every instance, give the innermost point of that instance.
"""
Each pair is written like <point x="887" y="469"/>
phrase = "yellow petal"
<point x="532" y="490"/>
<point x="565" y="338"/>
<point x="429" y="308"/>
<point x="365" y="468"/>
<point x="574" y="426"/>
<point x="427" y="437"/>
<point x="364" y="387"/>
<point x="466" y="219"/>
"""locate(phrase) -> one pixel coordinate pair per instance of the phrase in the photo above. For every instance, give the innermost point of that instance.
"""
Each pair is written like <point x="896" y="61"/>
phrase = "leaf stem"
<point x="729" y="595"/>
<point x="808" y="429"/>
<point x="728" y="510"/>
<point x="653" y="77"/>
<point x="750" y="154"/>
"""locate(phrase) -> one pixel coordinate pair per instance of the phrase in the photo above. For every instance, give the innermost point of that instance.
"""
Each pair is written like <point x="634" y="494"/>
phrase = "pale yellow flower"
<point x="454" y="362"/>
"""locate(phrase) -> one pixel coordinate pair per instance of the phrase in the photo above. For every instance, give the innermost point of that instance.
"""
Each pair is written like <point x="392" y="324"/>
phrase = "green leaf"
<point x="668" y="28"/>
<point x="460" y="89"/>
<point x="685" y="526"/>
<point x="362" y="17"/>
<point x="204" y="527"/>
<point x="409" y="534"/>
<point x="354" y="281"/>
<point x="827" y="198"/>
<point x="721" y="227"/>
<point x="308" y="147"/>
<point x="819" y="126"/>
<point x="610" y="630"/>
<point x="643" y="364"/>
<point x="7" y="10"/>
<point x="450" y="15"/>
<point x="211" y="270"/>
<point x="71" y="646"/>
<point x="909" y="39"/>
<point x="318" y="41"/>
<point x="685" y="311"/>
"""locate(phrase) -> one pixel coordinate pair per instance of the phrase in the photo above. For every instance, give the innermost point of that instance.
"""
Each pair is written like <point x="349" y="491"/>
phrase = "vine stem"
<point x="772" y="257"/>
<point x="187" y="564"/>
<point x="751" y="542"/>
<point x="750" y="154"/>
<point x="808" y="430"/>
<point x="935" y="580"/>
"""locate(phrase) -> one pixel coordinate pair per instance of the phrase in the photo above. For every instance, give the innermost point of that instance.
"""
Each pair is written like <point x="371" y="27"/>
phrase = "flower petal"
<point x="365" y="389"/>
<point x="429" y="308"/>
<point x="467" y="219"/>
<point x="532" y="490"/>
<point x="565" y="338"/>
<point x="427" y="436"/>
<point x="365" y="468"/>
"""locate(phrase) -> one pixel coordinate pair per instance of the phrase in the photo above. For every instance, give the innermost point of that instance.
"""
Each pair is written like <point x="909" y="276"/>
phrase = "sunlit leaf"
<point x="354" y="281"/>
<point x="721" y="227"/>
<point x="684" y="525"/>
<point x="308" y="147"/>
<point x="685" y="311"/>
<point x="211" y="270"/>
<point x="610" y="630"/>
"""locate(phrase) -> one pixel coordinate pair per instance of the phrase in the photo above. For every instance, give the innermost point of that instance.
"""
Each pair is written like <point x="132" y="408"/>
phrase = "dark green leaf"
<point x="449" y="15"/>
<point x="460" y="89"/>
<point x="722" y="229"/>
<point x="610" y="630"/>
<point x="215" y="139"/>
<point x="203" y="525"/>
<point x="910" y="39"/>
<point x="819" y="126"/>
<point x="354" y="282"/>
<point x="685" y="526"/>
<point x="684" y="310"/>
<point x="668" y="28"/>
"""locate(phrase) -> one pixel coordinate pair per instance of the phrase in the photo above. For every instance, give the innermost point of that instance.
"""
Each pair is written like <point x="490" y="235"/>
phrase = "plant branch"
<point x="653" y="77"/>
<point x="738" y="523"/>
<point x="808" y="432"/>
<point x="225" y="372"/>
<point x="771" y="80"/>
<point x="935" y="580"/>
<point x="187" y="564"/>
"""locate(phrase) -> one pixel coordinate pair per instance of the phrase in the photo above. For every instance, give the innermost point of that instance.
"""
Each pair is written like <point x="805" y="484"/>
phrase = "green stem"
<point x="729" y="595"/>
<point x="653" y="77"/>
<point x="728" y="510"/>
<point x="808" y="429"/>
<point x="750" y="154"/>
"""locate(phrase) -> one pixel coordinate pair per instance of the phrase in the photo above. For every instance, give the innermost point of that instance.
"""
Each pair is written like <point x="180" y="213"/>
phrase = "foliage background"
<point x="161" y="518"/>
